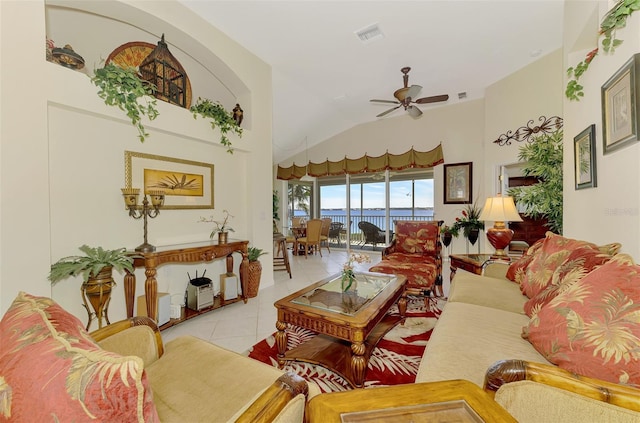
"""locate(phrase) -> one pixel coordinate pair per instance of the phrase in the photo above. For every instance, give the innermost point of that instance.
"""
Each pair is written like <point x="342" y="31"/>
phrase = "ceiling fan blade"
<point x="414" y="111"/>
<point x="388" y="111"/>
<point x="413" y="91"/>
<point x="433" y="99"/>
<point x="385" y="101"/>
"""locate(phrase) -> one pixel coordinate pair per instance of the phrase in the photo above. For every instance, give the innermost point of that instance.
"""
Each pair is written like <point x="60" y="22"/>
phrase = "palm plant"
<point x="543" y="158"/>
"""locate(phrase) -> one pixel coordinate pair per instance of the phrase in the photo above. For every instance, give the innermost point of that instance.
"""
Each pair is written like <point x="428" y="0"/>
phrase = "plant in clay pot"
<point x="96" y="268"/>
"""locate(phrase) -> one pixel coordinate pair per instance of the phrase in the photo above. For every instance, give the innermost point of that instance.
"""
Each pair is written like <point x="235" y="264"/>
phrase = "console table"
<point x="194" y="252"/>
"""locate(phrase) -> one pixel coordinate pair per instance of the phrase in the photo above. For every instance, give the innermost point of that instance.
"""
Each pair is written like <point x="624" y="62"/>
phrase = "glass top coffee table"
<point x="349" y="324"/>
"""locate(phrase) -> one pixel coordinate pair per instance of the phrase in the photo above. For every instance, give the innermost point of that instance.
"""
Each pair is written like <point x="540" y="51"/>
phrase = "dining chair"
<point x="312" y="238"/>
<point x="324" y="233"/>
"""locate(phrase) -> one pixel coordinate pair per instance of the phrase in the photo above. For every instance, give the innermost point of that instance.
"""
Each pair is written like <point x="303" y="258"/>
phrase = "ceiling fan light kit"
<point x="404" y="97"/>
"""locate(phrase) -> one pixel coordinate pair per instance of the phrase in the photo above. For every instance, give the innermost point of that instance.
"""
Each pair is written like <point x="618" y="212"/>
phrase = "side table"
<point x="473" y="263"/>
<point x="444" y="401"/>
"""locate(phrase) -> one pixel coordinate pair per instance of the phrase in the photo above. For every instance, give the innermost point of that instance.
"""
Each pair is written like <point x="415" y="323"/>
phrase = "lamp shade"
<point x="500" y="209"/>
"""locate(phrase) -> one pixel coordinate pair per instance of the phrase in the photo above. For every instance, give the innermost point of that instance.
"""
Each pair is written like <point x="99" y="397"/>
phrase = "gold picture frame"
<point x="458" y="183"/>
<point x="187" y="184"/>
<point x="620" y="110"/>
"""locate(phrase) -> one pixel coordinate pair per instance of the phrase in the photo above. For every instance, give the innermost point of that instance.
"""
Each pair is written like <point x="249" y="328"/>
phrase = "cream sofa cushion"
<point x="137" y="340"/>
<point x="469" y="338"/>
<point x="196" y="381"/>
<point x="532" y="402"/>
<point x="489" y="292"/>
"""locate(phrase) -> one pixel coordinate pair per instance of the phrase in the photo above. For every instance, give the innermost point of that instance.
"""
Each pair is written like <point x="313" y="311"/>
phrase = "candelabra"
<point x="143" y="211"/>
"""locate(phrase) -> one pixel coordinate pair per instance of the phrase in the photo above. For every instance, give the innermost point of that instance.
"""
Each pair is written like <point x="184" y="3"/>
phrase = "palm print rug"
<point x="394" y="360"/>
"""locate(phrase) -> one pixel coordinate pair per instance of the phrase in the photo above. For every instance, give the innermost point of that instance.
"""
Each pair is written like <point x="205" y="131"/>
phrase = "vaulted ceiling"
<point x="324" y="75"/>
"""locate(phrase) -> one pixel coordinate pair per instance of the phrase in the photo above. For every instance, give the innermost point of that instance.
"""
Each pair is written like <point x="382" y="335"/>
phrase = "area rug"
<point x="394" y="360"/>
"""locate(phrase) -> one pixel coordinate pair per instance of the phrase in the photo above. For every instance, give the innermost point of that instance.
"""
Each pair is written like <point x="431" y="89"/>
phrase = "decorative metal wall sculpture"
<point x="524" y="133"/>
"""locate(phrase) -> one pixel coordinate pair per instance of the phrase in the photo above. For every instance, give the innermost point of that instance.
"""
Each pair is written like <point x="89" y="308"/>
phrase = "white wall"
<point x="610" y="211"/>
<point x="63" y="159"/>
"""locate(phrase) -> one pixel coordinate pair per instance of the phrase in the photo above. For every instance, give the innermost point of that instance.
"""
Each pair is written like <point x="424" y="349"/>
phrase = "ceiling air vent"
<point x="370" y="33"/>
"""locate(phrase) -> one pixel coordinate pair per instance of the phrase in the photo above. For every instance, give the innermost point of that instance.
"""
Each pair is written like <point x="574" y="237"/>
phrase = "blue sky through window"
<point x="334" y="196"/>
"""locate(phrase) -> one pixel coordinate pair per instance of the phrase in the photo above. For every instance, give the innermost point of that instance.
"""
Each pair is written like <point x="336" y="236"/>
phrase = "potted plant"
<point x="125" y="89"/>
<point x="253" y="271"/>
<point x="469" y="222"/>
<point x="220" y="117"/>
<point x="222" y="228"/>
<point x="96" y="267"/>
<point x="543" y="158"/>
<point x="448" y="233"/>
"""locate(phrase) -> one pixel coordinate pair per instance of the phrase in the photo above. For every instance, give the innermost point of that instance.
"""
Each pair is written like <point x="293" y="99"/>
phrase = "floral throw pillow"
<point x="518" y="268"/>
<point x="51" y="370"/>
<point x="554" y="252"/>
<point x="593" y="327"/>
<point x="578" y="264"/>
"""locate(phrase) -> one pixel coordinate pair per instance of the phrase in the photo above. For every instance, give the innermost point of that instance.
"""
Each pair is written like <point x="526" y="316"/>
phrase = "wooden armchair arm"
<point x="391" y="248"/>
<point x="272" y="401"/>
<point x="112" y="329"/>
<point x="506" y="371"/>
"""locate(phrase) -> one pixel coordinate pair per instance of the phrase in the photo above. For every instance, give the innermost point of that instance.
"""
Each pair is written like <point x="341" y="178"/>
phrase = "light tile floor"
<point x="238" y="326"/>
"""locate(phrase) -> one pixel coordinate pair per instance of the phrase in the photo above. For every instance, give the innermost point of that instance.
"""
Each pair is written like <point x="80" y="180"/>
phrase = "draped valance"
<point x="409" y="159"/>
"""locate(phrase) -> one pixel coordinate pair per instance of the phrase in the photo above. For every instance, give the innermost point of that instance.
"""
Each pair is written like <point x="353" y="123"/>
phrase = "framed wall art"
<point x="187" y="184"/>
<point x="584" y="156"/>
<point x="620" y="111"/>
<point x="458" y="183"/>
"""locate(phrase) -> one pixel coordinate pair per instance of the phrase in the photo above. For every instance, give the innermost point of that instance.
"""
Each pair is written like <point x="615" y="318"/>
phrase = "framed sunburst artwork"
<point x="187" y="184"/>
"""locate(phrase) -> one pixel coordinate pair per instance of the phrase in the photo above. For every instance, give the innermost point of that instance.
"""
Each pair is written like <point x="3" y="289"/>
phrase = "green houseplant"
<point x="220" y="118"/>
<point x="543" y="158"/>
<point x="469" y="223"/>
<point x="253" y="271"/>
<point x="96" y="268"/>
<point x="123" y="88"/>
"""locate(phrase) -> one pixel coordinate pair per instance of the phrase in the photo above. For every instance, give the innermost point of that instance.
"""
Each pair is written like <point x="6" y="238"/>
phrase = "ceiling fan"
<point x="406" y="95"/>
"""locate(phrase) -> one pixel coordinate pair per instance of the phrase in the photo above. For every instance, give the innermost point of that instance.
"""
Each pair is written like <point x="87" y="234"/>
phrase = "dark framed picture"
<point x="620" y="111"/>
<point x="458" y="183"/>
<point x="584" y="155"/>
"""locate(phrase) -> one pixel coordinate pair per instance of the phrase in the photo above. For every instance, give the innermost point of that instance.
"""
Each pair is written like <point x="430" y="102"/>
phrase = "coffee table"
<point x="349" y="324"/>
<point x="446" y="401"/>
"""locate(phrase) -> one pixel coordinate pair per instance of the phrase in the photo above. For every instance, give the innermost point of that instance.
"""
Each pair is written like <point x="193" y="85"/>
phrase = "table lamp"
<point x="500" y="209"/>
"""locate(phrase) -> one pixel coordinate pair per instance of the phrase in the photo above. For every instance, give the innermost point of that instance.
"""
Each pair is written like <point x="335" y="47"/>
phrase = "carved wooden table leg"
<point x="358" y="363"/>
<point x="402" y="305"/>
<point x="151" y="292"/>
<point x="129" y="292"/>
<point x="243" y="275"/>
<point x="281" y="341"/>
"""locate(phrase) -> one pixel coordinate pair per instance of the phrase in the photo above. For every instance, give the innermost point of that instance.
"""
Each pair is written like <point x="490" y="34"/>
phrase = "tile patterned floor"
<point x="238" y="326"/>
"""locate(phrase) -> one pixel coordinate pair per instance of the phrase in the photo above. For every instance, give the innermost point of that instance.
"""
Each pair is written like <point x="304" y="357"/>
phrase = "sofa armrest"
<point x="274" y="399"/>
<point x="121" y="326"/>
<point x="496" y="269"/>
<point x="506" y="371"/>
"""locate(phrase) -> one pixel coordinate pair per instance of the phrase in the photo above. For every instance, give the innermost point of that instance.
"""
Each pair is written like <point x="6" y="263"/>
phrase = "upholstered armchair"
<point x="415" y="253"/>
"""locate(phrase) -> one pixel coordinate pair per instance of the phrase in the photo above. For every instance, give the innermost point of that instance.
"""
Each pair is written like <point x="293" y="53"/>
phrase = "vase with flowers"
<point x="222" y="227"/>
<point x="470" y="222"/>
<point x="348" y="274"/>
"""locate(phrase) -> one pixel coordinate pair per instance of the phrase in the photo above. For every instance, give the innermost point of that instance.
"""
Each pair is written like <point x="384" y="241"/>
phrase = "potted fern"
<point x="96" y="268"/>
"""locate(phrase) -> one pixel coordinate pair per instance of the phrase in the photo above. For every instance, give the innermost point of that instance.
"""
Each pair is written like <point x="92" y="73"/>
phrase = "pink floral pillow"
<point x="518" y="268"/>
<point x="51" y="370"/>
<point x="593" y="327"/>
<point x="554" y="252"/>
<point x="578" y="264"/>
<point x="417" y="237"/>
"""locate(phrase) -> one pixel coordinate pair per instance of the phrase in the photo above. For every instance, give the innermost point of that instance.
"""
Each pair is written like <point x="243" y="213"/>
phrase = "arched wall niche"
<point x="95" y="28"/>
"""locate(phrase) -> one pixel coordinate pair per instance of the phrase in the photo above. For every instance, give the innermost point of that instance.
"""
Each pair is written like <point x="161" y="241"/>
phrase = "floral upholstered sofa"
<point x="52" y="370"/>
<point x="415" y="253"/>
<point x="567" y="308"/>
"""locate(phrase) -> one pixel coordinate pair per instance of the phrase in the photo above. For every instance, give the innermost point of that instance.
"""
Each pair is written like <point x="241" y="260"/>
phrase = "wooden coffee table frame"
<point x="344" y="343"/>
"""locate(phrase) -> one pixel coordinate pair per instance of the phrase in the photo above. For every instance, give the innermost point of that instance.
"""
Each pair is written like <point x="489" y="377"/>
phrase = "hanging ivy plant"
<point x="220" y="118"/>
<point x="615" y="19"/>
<point x="123" y="88"/>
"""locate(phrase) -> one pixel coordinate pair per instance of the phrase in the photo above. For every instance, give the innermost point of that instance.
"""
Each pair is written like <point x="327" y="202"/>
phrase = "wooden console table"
<point x="194" y="252"/>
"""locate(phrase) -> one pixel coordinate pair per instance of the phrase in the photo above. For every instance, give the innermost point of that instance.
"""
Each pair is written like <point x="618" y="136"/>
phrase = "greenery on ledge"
<point x="615" y="19"/>
<point x="543" y="158"/>
<point x="123" y="88"/>
<point x="219" y="117"/>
